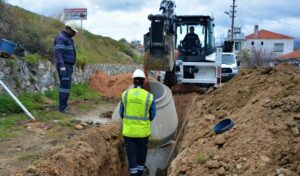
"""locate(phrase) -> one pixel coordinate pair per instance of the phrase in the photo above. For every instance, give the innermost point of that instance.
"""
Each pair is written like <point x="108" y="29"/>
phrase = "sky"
<point x="129" y="18"/>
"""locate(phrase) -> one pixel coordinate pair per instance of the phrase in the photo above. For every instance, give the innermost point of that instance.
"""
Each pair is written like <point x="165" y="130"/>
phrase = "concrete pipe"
<point x="165" y="123"/>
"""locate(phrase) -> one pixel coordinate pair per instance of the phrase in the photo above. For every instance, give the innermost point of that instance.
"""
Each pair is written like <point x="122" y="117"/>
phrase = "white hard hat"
<point x="138" y="73"/>
<point x="73" y="25"/>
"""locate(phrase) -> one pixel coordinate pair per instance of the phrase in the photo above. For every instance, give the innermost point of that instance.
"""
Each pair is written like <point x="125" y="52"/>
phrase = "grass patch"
<point x="9" y="127"/>
<point x="25" y="156"/>
<point x="33" y="58"/>
<point x="83" y="91"/>
<point x="36" y="101"/>
<point x="201" y="159"/>
<point x="32" y="101"/>
<point x="52" y="94"/>
<point x="78" y="91"/>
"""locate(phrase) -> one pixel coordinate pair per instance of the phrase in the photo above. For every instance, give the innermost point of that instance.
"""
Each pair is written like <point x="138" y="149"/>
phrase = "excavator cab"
<point x="201" y="42"/>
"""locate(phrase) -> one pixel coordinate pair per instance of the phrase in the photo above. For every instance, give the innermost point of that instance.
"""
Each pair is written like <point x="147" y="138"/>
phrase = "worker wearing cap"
<point x="137" y="109"/>
<point x="65" y="55"/>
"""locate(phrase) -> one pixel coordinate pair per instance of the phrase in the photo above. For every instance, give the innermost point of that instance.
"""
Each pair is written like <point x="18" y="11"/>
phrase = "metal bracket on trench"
<point x="160" y="158"/>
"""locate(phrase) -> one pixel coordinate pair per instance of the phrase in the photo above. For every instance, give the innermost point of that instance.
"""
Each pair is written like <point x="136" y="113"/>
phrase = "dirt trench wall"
<point x="99" y="152"/>
<point x="265" y="140"/>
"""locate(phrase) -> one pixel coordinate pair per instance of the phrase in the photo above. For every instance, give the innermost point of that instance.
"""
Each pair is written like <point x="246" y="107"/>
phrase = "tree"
<point x="244" y="58"/>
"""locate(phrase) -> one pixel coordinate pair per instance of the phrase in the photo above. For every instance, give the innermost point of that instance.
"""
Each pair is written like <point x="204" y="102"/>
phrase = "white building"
<point x="266" y="44"/>
<point x="238" y="38"/>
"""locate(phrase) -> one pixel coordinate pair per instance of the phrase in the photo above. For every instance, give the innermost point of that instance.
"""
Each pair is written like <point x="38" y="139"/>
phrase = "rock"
<point x="213" y="164"/>
<point x="209" y="117"/>
<point x="220" y="140"/>
<point x="254" y="101"/>
<point x="84" y="124"/>
<point x="295" y="130"/>
<point x="297" y="117"/>
<point x="210" y="90"/>
<point x="291" y="124"/>
<point x="298" y="169"/>
<point x="31" y="169"/>
<point x="1" y="75"/>
<point x="76" y="121"/>
<point x="19" y="174"/>
<point x="246" y="166"/>
<point x="221" y="171"/>
<point x="239" y="166"/>
<point x="265" y="159"/>
<point x="97" y="123"/>
<point x="183" y="169"/>
<point x="90" y="122"/>
<point x="79" y="127"/>
<point x="44" y="89"/>
<point x="225" y="165"/>
<point x="191" y="124"/>
<point x="6" y="70"/>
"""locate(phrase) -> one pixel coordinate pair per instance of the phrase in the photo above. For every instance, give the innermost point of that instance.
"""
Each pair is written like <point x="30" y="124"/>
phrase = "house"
<point x="267" y="44"/>
<point x="238" y="38"/>
<point x="292" y="58"/>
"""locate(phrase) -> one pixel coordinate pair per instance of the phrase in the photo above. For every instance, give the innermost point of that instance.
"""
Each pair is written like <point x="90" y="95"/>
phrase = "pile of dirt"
<point x="110" y="86"/>
<point x="265" y="107"/>
<point x="98" y="152"/>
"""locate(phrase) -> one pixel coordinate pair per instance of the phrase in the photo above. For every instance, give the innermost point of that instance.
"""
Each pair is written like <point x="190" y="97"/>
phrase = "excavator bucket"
<point x="161" y="58"/>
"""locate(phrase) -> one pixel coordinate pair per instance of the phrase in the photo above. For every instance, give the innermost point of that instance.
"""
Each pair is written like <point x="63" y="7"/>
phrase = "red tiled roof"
<point x="264" y="34"/>
<point x="292" y="55"/>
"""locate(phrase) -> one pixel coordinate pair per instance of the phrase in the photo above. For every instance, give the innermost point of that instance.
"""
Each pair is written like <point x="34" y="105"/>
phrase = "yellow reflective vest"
<point x="136" y="121"/>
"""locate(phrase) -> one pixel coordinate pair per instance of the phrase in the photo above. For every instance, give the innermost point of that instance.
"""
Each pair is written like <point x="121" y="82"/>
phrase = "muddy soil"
<point x="265" y="107"/>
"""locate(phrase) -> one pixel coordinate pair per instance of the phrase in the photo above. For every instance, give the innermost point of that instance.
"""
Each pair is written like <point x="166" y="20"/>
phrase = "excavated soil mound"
<point x="110" y="86"/>
<point x="98" y="152"/>
<point x="265" y="107"/>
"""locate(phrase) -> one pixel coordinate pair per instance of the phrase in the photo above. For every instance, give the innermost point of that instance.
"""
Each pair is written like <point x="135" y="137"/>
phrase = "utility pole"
<point x="233" y="11"/>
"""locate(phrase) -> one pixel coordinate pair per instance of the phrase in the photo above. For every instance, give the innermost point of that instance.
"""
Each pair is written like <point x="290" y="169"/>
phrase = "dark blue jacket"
<point x="65" y="52"/>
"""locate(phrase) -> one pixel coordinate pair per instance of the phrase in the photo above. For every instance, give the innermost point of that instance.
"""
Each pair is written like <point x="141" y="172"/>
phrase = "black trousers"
<point x="65" y="79"/>
<point x="136" y="149"/>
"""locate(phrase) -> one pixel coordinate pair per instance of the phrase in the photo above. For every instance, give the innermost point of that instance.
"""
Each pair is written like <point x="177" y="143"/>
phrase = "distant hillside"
<point x="297" y="44"/>
<point x="35" y="34"/>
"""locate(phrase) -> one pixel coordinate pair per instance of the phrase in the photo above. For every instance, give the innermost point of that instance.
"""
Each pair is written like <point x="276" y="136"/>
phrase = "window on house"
<point x="278" y="47"/>
<point x="238" y="46"/>
<point x="252" y="43"/>
<point x="262" y="43"/>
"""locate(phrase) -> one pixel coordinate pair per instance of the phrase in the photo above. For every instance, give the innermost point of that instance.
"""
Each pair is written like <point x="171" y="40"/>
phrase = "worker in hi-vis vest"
<point x="137" y="109"/>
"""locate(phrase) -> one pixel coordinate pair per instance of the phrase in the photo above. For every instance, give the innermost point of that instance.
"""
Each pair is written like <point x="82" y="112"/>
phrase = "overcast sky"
<point x="128" y="18"/>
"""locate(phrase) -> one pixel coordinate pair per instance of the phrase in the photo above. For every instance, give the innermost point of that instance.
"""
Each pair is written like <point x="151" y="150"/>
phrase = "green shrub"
<point x="11" y="63"/>
<point x="33" y="58"/>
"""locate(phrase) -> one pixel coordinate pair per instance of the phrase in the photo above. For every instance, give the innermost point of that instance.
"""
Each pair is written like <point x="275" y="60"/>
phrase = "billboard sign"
<point x="75" y="14"/>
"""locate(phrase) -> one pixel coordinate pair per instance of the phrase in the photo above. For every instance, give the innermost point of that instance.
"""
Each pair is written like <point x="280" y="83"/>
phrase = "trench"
<point x="100" y="152"/>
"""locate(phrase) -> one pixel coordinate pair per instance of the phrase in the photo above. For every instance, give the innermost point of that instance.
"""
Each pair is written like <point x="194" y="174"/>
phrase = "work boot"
<point x="70" y="109"/>
<point x="67" y="111"/>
